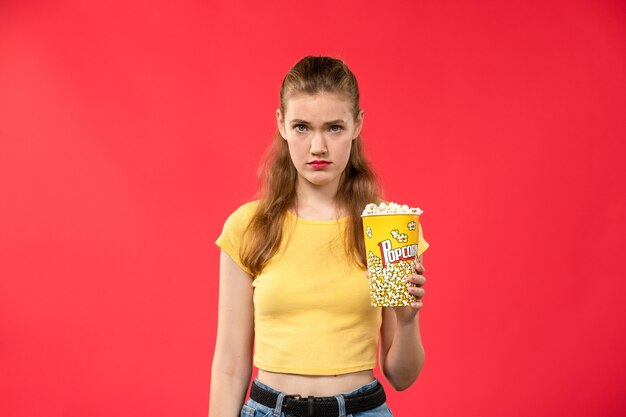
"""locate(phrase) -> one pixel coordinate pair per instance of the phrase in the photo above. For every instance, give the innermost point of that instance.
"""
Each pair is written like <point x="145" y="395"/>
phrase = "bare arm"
<point x="232" y="360"/>
<point x="401" y="350"/>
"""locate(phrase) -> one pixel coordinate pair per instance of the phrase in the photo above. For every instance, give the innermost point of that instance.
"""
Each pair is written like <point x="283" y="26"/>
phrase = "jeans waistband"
<point x="366" y="397"/>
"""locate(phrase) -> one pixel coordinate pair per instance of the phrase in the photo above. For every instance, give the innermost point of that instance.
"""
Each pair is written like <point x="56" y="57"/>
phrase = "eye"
<point x="336" y="128"/>
<point x="300" y="128"/>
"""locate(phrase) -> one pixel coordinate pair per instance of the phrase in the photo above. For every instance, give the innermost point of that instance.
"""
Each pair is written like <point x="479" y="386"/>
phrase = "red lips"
<point x="319" y="164"/>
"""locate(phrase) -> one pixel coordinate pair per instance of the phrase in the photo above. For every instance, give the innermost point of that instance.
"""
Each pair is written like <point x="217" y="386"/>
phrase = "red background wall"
<point x="129" y="131"/>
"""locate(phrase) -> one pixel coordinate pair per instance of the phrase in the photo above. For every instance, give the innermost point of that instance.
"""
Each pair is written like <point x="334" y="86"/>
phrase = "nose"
<point x="318" y="144"/>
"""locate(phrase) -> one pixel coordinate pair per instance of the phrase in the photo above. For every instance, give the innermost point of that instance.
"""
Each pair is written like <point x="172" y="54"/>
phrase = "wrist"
<point x="407" y="319"/>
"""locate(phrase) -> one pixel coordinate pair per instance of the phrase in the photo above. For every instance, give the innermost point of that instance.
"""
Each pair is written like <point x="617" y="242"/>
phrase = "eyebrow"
<point x="304" y="122"/>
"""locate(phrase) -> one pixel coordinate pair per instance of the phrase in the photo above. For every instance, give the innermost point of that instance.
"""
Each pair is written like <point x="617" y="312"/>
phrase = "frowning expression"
<point x="319" y="130"/>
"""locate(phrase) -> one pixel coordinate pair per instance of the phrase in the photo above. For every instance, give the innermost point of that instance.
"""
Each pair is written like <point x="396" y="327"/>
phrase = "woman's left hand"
<point x="408" y="313"/>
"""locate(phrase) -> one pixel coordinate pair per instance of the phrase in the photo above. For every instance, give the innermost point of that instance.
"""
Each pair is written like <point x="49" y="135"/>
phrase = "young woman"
<point x="293" y="280"/>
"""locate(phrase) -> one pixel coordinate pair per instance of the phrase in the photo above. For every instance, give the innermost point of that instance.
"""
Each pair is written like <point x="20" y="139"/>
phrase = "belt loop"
<point x="279" y="404"/>
<point x="311" y="406"/>
<point x="342" y="405"/>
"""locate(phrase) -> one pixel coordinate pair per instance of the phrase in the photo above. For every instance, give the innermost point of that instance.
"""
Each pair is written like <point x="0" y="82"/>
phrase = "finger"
<point x="417" y="304"/>
<point x="418" y="280"/>
<point x="419" y="268"/>
<point x="417" y="292"/>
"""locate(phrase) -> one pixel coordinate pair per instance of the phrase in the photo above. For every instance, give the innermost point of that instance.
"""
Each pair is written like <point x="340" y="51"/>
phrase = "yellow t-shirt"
<point x="312" y="313"/>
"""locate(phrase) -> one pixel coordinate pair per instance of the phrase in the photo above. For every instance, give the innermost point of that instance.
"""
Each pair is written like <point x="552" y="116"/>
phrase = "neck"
<point x="317" y="202"/>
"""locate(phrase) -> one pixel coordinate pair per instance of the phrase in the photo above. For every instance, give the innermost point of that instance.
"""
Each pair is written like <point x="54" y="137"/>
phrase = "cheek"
<point x="296" y="149"/>
<point x="348" y="145"/>
<point x="344" y="151"/>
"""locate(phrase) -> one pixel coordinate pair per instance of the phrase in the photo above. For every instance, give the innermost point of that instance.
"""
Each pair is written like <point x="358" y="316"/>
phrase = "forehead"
<point x="318" y="107"/>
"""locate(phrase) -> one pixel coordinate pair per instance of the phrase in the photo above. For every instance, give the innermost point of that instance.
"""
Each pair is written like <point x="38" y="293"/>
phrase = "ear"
<point x="280" y="122"/>
<point x="358" y="124"/>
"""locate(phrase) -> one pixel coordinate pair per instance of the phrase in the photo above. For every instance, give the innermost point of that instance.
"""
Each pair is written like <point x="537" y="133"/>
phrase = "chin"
<point x="320" y="180"/>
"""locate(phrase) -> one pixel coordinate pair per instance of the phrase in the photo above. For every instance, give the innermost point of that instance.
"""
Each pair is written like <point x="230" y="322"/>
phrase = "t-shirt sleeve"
<point x="422" y="245"/>
<point x="230" y="240"/>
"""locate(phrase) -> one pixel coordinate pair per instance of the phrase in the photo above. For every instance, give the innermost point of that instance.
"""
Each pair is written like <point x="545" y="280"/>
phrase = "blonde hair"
<point x="357" y="186"/>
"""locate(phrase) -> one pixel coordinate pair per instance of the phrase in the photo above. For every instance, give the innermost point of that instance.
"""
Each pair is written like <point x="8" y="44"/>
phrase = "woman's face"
<point x="319" y="130"/>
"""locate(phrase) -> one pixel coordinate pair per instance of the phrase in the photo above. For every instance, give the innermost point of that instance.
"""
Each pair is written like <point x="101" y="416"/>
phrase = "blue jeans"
<point x="253" y="409"/>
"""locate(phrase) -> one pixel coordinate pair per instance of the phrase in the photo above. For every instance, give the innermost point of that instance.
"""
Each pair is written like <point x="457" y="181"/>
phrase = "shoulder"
<point x="240" y="218"/>
<point x="246" y="209"/>
<point x="234" y="228"/>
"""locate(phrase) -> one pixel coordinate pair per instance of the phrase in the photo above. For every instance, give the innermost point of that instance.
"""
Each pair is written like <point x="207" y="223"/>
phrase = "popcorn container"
<point x="391" y="249"/>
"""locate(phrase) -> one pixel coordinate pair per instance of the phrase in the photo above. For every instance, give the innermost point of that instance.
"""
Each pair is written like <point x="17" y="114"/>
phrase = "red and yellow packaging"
<point x="391" y="241"/>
